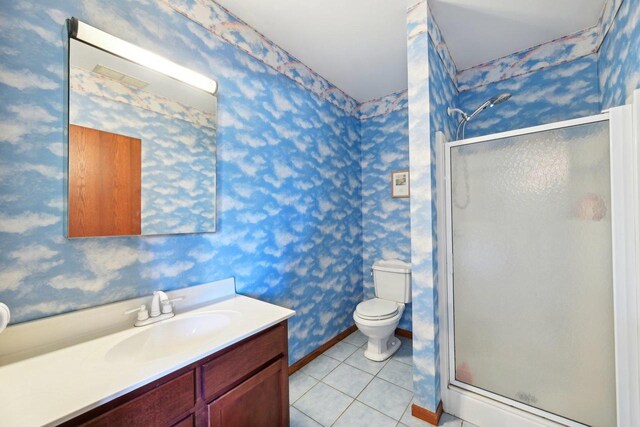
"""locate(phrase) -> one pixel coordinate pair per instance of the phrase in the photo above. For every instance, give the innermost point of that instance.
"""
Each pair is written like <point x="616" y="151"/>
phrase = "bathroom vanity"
<point x="243" y="385"/>
<point x="222" y="362"/>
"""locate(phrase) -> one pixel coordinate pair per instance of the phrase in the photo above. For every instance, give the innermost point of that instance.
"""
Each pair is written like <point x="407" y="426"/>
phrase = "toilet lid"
<point x="377" y="308"/>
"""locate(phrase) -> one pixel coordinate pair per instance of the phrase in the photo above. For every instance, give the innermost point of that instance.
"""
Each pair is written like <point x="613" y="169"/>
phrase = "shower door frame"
<point x="486" y="408"/>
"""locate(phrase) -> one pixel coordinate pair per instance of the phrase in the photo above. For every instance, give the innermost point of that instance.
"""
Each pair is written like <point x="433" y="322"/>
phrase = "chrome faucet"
<point x="161" y="309"/>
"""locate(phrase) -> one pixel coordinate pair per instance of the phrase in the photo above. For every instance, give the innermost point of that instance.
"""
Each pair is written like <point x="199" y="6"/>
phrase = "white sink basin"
<point x="176" y="335"/>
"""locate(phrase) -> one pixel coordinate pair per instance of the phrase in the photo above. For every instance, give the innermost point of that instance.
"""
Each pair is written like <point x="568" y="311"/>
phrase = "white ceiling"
<point x="479" y="31"/>
<point x="360" y="45"/>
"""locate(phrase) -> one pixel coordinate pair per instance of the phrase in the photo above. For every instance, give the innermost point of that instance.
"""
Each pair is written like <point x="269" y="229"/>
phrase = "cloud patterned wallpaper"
<point x="426" y="378"/>
<point x="384" y="105"/>
<point x="442" y="95"/>
<point x="561" y="92"/>
<point x="574" y="76"/>
<point x="217" y="20"/>
<point x="178" y="149"/>
<point x="619" y="56"/>
<point x="590" y="72"/>
<point x="289" y="181"/>
<point x="564" y="49"/>
<point x="386" y="221"/>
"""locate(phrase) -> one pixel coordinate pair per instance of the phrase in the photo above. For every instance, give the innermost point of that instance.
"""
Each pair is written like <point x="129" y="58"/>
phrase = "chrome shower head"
<point x="490" y="103"/>
<point x="500" y="98"/>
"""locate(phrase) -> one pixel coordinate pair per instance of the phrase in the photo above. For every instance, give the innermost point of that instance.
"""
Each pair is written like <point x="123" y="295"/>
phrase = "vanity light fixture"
<point x="98" y="38"/>
<point x="120" y="77"/>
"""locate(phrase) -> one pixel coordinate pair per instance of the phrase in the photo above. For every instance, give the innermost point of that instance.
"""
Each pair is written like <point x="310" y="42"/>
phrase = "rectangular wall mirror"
<point x="142" y="141"/>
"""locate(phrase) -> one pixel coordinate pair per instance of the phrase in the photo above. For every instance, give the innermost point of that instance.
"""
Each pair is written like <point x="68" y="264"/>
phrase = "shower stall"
<point x="537" y="246"/>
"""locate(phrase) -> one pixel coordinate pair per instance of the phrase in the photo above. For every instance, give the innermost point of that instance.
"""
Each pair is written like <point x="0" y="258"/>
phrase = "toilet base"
<point x="379" y="349"/>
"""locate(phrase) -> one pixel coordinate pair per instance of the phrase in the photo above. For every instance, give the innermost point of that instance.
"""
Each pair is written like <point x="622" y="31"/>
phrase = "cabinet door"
<point x="260" y="401"/>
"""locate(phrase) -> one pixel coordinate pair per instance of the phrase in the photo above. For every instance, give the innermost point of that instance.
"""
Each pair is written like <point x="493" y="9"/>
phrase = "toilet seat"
<point x="377" y="309"/>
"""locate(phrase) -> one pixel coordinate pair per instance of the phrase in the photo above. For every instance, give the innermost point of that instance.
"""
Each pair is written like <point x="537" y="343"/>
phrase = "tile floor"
<point x="343" y="388"/>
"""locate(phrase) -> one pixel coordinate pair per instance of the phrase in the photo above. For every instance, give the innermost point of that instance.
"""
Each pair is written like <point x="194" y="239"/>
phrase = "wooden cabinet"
<point x="257" y="402"/>
<point x="236" y="364"/>
<point x="187" y="422"/>
<point x="166" y="402"/>
<point x="244" y="385"/>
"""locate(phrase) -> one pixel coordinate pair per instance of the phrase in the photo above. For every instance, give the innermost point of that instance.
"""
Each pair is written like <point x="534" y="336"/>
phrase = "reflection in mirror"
<point x="142" y="152"/>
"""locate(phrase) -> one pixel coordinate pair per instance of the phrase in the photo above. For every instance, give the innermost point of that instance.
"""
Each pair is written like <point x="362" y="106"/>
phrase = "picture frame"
<point x="400" y="184"/>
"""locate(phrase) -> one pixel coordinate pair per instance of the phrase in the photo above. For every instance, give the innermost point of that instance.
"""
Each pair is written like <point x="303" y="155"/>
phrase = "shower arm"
<point x="480" y="109"/>
<point x="451" y="111"/>
<point x="463" y="121"/>
<point x="468" y="117"/>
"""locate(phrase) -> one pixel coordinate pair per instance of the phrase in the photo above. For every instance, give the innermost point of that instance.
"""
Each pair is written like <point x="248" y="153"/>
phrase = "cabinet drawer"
<point x="235" y="365"/>
<point x="154" y="408"/>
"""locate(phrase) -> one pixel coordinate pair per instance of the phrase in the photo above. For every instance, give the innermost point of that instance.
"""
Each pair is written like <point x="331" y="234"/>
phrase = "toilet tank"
<point x="392" y="280"/>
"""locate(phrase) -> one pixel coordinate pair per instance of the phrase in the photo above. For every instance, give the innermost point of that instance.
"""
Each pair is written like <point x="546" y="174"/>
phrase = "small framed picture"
<point x="400" y="183"/>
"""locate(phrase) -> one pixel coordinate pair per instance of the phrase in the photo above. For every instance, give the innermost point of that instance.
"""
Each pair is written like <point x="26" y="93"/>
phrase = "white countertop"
<point x="55" y="387"/>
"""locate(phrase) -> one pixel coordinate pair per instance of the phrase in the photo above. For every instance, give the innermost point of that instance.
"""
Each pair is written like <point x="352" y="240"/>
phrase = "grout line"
<point x="303" y="394"/>
<point x="371" y="408"/>
<point x="345" y="410"/>
<point x="341" y="361"/>
<point x="314" y="386"/>
<point x="353" y="399"/>
<point x="407" y="408"/>
<point x="376" y="374"/>
<point x="306" y="415"/>
<point x="388" y="416"/>
<point x="361" y="370"/>
<point x="346" y="364"/>
<point x="365" y="387"/>
<point x="341" y="392"/>
<point x="322" y="354"/>
<point x="402" y="364"/>
<point x="411" y="401"/>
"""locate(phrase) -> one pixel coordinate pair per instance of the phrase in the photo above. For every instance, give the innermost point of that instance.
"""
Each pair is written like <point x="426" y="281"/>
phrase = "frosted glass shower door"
<point x="530" y="272"/>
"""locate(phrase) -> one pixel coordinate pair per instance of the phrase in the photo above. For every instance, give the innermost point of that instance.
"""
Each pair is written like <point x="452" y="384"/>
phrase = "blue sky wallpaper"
<point x="536" y="58"/>
<point x="426" y="378"/>
<point x="288" y="191"/>
<point x="577" y="75"/>
<point x="386" y="223"/>
<point x="443" y="94"/>
<point x="619" y="56"/>
<point x="562" y="92"/>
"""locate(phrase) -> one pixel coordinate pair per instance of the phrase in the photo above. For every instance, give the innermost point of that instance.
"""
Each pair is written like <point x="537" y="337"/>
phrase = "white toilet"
<point x="378" y="317"/>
